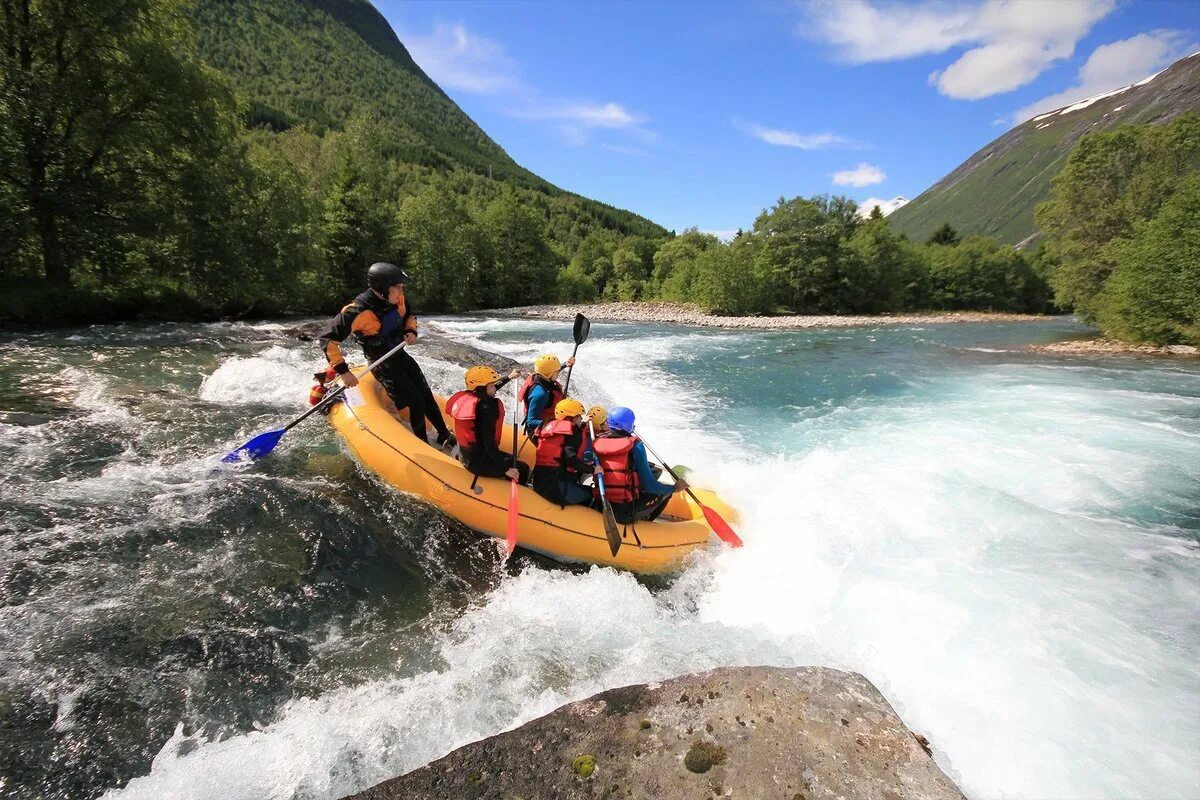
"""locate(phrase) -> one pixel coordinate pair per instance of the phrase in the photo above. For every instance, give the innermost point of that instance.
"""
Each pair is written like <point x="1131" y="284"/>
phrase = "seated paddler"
<point x="479" y="425"/>
<point x="560" y="464"/>
<point x="629" y="481"/>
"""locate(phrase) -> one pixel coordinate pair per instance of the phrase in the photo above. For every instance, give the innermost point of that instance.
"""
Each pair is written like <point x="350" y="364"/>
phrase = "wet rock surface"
<point x="750" y="732"/>
<point x="1109" y="347"/>
<point x="682" y="314"/>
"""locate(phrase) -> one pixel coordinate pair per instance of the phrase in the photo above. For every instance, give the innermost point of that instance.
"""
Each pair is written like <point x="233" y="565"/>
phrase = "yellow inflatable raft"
<point x="383" y="444"/>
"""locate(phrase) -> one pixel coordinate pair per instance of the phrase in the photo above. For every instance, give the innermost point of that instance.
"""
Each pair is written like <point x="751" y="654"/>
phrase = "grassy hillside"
<point x="996" y="191"/>
<point x="320" y="62"/>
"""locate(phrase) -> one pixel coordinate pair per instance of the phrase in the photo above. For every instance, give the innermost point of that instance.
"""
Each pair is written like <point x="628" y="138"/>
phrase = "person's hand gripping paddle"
<point x="264" y="443"/>
<point x="719" y="525"/>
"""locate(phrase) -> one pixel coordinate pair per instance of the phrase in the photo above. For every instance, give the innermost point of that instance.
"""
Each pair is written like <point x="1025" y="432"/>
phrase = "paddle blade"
<point x="610" y="530"/>
<point x="256" y="448"/>
<point x="581" y="330"/>
<point x="721" y="527"/>
<point x="513" y="515"/>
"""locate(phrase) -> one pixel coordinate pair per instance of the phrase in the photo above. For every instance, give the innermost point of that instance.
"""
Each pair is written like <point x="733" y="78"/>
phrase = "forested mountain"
<point x="322" y="62"/>
<point x="200" y="158"/>
<point x="995" y="191"/>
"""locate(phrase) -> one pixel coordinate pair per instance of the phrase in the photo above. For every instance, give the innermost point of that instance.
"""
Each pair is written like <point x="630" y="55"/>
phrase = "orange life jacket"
<point x="556" y="394"/>
<point x="621" y="483"/>
<point x="462" y="406"/>
<point x="551" y="439"/>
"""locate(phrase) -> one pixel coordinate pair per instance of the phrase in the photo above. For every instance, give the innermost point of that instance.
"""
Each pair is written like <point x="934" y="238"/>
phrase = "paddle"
<point x="581" y="330"/>
<point x="719" y="526"/>
<point x="264" y="443"/>
<point x="513" y="494"/>
<point x="580" y="333"/>
<point x="610" y="520"/>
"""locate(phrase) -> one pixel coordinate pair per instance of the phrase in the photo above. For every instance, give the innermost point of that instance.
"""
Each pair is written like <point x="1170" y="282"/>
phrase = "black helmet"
<point x="383" y="276"/>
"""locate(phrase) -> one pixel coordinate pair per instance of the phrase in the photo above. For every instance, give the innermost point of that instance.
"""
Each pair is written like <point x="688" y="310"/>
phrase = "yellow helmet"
<point x="568" y="407"/>
<point x="547" y="365"/>
<point x="599" y="417"/>
<point x="481" y="375"/>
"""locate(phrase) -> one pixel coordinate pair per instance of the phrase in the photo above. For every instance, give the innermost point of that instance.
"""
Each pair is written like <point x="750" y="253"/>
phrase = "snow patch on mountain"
<point x="885" y="206"/>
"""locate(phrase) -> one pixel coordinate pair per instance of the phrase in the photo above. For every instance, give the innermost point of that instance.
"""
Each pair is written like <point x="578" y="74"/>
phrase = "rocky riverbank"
<point x="748" y="732"/>
<point x="678" y="314"/>
<point x="1108" y="347"/>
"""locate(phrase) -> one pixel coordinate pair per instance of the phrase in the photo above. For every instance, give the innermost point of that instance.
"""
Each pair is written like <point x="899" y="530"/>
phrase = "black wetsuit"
<point x="379" y="326"/>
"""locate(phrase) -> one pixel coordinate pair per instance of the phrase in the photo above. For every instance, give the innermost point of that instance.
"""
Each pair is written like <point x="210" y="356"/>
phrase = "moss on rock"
<point x="584" y="766"/>
<point x="703" y="756"/>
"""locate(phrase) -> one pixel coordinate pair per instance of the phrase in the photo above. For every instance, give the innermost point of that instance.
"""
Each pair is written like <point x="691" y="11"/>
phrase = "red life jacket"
<point x="556" y="394"/>
<point x="551" y="439"/>
<point x="462" y="406"/>
<point x="621" y="483"/>
<point x="317" y="393"/>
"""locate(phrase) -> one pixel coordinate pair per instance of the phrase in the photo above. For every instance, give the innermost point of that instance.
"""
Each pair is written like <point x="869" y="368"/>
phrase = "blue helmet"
<point x="621" y="419"/>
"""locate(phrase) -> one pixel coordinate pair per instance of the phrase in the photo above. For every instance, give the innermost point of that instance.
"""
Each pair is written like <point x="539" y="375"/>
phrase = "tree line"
<point x="1123" y="231"/>
<point x="135" y="180"/>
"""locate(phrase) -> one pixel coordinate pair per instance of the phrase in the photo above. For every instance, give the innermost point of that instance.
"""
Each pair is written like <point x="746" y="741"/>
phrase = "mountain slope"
<point x="996" y="190"/>
<point x="322" y="61"/>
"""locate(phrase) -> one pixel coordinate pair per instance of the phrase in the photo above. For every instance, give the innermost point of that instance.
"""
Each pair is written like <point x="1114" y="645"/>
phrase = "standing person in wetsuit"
<point x="629" y="483"/>
<point x="560" y="464"/>
<point x="380" y="318"/>
<point x="479" y="422"/>
<point x="542" y="391"/>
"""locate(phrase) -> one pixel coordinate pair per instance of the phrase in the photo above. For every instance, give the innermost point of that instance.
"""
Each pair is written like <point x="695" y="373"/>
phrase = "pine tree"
<point x="945" y="235"/>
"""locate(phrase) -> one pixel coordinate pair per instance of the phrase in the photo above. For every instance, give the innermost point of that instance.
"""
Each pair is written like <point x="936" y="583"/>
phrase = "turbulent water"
<point x="1005" y="543"/>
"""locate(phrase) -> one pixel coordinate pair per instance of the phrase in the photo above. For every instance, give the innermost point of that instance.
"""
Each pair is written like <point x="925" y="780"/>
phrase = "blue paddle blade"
<point x="256" y="448"/>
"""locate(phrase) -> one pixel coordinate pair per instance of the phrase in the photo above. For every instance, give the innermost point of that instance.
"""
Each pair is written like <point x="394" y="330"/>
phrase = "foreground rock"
<point x="758" y="733"/>
<point x="1108" y="347"/>
<point x="677" y="314"/>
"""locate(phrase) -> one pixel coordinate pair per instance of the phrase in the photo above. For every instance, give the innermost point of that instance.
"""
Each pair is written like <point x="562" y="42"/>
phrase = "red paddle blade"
<point x="513" y="515"/>
<point x="721" y="527"/>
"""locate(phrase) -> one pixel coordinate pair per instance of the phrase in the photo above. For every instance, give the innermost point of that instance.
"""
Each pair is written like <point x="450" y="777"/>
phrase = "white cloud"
<point x="1009" y="42"/>
<point x="457" y="59"/>
<point x="724" y="236"/>
<point x="1114" y="66"/>
<point x="576" y="121"/>
<point x="862" y="175"/>
<point x="782" y="138"/>
<point x="587" y="115"/>
<point x="624" y="150"/>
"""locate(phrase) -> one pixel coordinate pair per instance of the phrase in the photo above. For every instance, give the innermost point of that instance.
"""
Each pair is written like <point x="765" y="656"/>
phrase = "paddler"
<point x="541" y="391"/>
<point x="560" y="449"/>
<point x="380" y="318"/>
<point x="629" y="482"/>
<point x="479" y="424"/>
<point x="599" y="417"/>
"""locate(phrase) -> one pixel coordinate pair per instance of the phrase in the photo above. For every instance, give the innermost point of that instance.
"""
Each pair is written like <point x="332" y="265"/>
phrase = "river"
<point x="1006" y="543"/>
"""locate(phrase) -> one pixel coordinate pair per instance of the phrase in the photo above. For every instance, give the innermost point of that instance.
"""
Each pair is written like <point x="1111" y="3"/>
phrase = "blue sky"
<point x="703" y="113"/>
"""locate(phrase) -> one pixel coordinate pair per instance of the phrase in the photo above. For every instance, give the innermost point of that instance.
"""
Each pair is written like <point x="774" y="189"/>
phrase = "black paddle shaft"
<point x="516" y="405"/>
<point x="335" y="394"/>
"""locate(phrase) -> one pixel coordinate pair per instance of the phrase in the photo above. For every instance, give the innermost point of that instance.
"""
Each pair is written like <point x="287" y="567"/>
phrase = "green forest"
<point x="165" y="159"/>
<point x="1123" y="232"/>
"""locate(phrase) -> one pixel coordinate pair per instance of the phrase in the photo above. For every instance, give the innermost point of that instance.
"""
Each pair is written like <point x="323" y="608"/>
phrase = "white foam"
<point x="277" y="376"/>
<point x="975" y="551"/>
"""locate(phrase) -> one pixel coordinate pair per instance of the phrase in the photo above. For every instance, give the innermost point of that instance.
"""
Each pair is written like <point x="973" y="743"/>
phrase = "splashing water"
<point x="1006" y="544"/>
